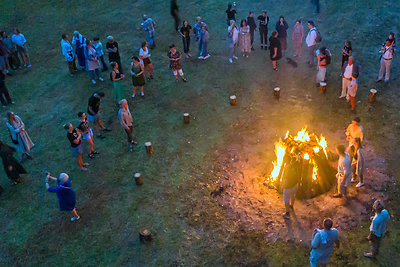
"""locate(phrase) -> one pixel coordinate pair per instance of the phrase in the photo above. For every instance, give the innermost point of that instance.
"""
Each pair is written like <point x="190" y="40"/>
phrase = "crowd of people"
<point x="90" y="57"/>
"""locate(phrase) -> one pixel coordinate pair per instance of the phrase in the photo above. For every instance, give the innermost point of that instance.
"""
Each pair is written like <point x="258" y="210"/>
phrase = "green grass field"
<point x="188" y="226"/>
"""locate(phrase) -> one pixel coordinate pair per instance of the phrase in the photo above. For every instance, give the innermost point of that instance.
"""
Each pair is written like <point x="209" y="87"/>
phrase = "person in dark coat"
<point x="275" y="51"/>
<point x="281" y="28"/>
<point x="65" y="194"/>
<point x="175" y="13"/>
<point x="253" y="27"/>
<point x="11" y="165"/>
<point x="4" y="94"/>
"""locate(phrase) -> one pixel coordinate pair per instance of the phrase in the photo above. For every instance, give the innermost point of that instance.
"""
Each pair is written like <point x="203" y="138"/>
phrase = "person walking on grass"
<point x="281" y="27"/>
<point x="113" y="52"/>
<point x="346" y="52"/>
<point x="297" y="37"/>
<point x="93" y="64"/>
<point x="144" y="55"/>
<point x="358" y="162"/>
<point x="263" y="27"/>
<point x="204" y="37"/>
<point x="388" y="53"/>
<point x="233" y="35"/>
<point x="354" y="130"/>
<point x="125" y="118"/>
<point x="377" y="228"/>
<point x="80" y="47"/>
<point x="197" y="29"/>
<point x="323" y="241"/>
<point x="65" y="194"/>
<point x="344" y="172"/>
<point x="137" y="72"/>
<point x="75" y="138"/>
<point x="244" y="38"/>
<point x="22" y="50"/>
<point x="100" y="53"/>
<point x="350" y="72"/>
<point x="11" y="166"/>
<point x="290" y="186"/>
<point x="311" y="41"/>
<point x="185" y="33"/>
<point x="87" y="133"/>
<point x="148" y="26"/>
<point x="68" y="53"/>
<point x="253" y="27"/>
<point x="4" y="94"/>
<point x="275" y="51"/>
<point x="93" y="112"/>
<point x="116" y="76"/>
<point x="175" y="62"/>
<point x="19" y="136"/>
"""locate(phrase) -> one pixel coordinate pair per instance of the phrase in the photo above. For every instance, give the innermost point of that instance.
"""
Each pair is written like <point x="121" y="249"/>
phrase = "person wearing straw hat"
<point x="65" y="194"/>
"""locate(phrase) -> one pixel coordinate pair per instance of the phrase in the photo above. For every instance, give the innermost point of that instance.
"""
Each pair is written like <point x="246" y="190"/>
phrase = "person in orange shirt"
<point x="354" y="130"/>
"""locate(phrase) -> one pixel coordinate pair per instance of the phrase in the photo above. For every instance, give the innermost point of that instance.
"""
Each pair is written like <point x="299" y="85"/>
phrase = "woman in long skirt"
<point x="297" y="37"/>
<point x="244" y="38"/>
<point x="19" y="136"/>
<point x="116" y="77"/>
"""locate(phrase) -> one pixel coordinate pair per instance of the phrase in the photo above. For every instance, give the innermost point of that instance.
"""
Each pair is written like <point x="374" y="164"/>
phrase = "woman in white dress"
<point x="19" y="136"/>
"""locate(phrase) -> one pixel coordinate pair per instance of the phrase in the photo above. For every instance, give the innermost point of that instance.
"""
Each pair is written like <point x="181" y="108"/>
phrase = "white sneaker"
<point x="235" y="57"/>
<point x="93" y="81"/>
<point x="200" y="57"/>
<point x="101" y="79"/>
<point x="142" y="94"/>
<point x="207" y="56"/>
<point x="133" y="96"/>
<point x="360" y="184"/>
<point x="230" y="60"/>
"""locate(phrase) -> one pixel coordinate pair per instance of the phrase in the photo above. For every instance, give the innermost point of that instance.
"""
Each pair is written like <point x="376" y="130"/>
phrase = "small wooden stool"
<point x="277" y="92"/>
<point x="322" y="87"/>
<point x="232" y="100"/>
<point x="149" y="147"/>
<point x="372" y="95"/>
<point x="138" y="178"/>
<point x="186" y="118"/>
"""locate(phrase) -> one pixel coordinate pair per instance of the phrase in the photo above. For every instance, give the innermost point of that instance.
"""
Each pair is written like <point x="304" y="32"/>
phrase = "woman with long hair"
<point x="144" y="55"/>
<point x="137" y="71"/>
<point x="116" y="76"/>
<point x="244" y="38"/>
<point x="19" y="136"/>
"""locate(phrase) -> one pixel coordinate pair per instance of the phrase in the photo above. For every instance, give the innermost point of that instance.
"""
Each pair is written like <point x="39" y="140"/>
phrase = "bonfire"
<point x="317" y="175"/>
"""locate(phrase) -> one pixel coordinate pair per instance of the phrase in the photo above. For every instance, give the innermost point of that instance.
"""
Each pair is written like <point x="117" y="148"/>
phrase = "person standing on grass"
<point x="65" y="194"/>
<point x="263" y="25"/>
<point x="185" y="32"/>
<point x="391" y="39"/>
<point x="22" y="50"/>
<point x="148" y="26"/>
<point x="80" y="47"/>
<point x="93" y="112"/>
<point x="281" y="27"/>
<point x="4" y="94"/>
<point x="4" y="64"/>
<point x="93" y="64"/>
<point x="290" y="186"/>
<point x="377" y="228"/>
<point x="388" y="53"/>
<point x="253" y="27"/>
<point x="233" y="34"/>
<point x="19" y="136"/>
<point x="100" y="53"/>
<point x="204" y="43"/>
<point x="322" y="65"/>
<point x="297" y="37"/>
<point x="125" y="118"/>
<point x="322" y="244"/>
<point x="275" y="51"/>
<point x="144" y="55"/>
<point x="244" y="38"/>
<point x="175" y="13"/>
<point x="346" y="52"/>
<point x="75" y="138"/>
<point x="137" y="71"/>
<point x="11" y="166"/>
<point x="116" y="77"/>
<point x="13" y="59"/>
<point x="230" y="14"/>
<point x="311" y="41"/>
<point x="344" y="172"/>
<point x="354" y="130"/>
<point x="87" y="133"/>
<point x="358" y="162"/>
<point x="175" y="62"/>
<point x="68" y="52"/>
<point x="197" y="30"/>
<point x="113" y="52"/>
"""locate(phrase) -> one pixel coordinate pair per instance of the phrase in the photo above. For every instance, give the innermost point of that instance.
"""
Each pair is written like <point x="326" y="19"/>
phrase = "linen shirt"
<point x="378" y="225"/>
<point x="19" y="39"/>
<point x="311" y="37"/>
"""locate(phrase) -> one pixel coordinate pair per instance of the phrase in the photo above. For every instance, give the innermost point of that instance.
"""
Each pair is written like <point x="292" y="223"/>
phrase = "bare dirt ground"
<point x="241" y="168"/>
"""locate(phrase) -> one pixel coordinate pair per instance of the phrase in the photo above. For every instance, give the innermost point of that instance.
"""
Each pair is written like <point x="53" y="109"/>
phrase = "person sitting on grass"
<point x="323" y="243"/>
<point x="175" y="62"/>
<point x="377" y="228"/>
<point x="93" y="111"/>
<point x="344" y="172"/>
<point x="75" y="138"/>
<point x="87" y="133"/>
<point x="65" y="194"/>
<point x="290" y="186"/>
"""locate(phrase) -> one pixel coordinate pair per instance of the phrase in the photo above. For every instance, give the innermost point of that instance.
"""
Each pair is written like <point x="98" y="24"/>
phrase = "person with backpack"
<point x="324" y="59"/>
<point x="313" y="37"/>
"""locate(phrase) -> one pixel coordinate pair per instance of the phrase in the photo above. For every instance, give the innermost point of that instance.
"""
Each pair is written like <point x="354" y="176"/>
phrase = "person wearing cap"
<point x="80" y="46"/>
<point x="377" y="228"/>
<point x="197" y="29"/>
<point x="125" y="118"/>
<point x="100" y="53"/>
<point x="113" y="52"/>
<point x="65" y="194"/>
<point x="148" y="26"/>
<point x="175" y="62"/>
<point x="68" y="53"/>
<point x="354" y="130"/>
<point x="323" y="241"/>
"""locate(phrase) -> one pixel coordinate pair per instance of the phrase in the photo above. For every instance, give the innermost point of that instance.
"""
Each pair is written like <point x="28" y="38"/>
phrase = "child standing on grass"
<point x="100" y="53"/>
<point x="175" y="62"/>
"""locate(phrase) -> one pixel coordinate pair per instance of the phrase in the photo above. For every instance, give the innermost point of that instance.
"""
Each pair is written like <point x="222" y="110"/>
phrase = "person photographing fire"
<point x="290" y="185"/>
<point x="344" y="172"/>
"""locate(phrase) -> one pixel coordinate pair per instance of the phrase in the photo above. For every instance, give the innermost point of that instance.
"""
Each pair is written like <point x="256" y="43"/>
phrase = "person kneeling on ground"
<point x="65" y="193"/>
<point x="344" y="172"/>
<point x="290" y="186"/>
<point x="175" y="62"/>
<point x="322" y="244"/>
<point x="377" y="228"/>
